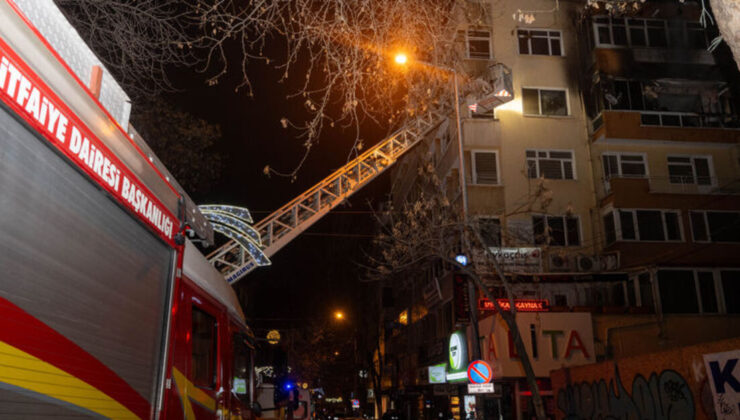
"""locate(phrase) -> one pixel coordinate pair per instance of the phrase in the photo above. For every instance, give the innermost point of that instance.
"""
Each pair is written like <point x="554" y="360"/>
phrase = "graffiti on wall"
<point x="663" y="396"/>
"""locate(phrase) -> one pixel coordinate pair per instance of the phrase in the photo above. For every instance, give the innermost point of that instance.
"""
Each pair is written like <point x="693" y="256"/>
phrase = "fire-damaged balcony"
<point x="664" y="109"/>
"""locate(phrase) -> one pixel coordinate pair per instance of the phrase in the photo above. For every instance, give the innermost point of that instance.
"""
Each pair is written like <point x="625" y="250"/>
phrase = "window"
<point x="556" y="230"/>
<point x="696" y="291"/>
<point x="610" y="228"/>
<point x="485" y="168"/>
<point x="653" y="33"/>
<point x="204" y="349"/>
<point x="625" y="94"/>
<point x="648" y="225"/>
<point x="731" y="290"/>
<point x="242" y="366"/>
<point x="707" y="292"/>
<point x="539" y="42"/>
<point x="624" y="165"/>
<point x="544" y="101"/>
<point x="677" y="291"/>
<point x="490" y="231"/>
<point x="550" y="164"/>
<point x="690" y="170"/>
<point x="715" y="226"/>
<point x="479" y="44"/>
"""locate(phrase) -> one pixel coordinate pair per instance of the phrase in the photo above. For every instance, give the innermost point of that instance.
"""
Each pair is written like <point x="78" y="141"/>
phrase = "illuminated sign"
<point x="458" y="356"/>
<point x="273" y="337"/>
<point x="437" y="374"/>
<point x="522" y="305"/>
<point x="22" y="90"/>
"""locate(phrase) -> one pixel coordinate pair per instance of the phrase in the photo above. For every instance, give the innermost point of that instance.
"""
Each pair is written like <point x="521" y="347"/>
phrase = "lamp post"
<point x="402" y="59"/>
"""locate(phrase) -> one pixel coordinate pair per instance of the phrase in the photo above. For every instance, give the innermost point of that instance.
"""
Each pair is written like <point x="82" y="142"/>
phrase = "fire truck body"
<point x="106" y="310"/>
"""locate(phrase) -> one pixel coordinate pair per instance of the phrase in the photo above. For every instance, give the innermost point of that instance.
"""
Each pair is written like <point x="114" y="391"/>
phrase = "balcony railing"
<point x="666" y="125"/>
<point x="684" y="184"/>
<point x="687" y="119"/>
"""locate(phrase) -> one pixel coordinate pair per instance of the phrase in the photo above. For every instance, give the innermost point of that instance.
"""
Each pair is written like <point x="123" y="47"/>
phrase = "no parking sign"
<point x="480" y="372"/>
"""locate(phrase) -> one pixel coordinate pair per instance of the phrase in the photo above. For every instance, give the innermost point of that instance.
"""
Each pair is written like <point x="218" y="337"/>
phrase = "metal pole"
<point x="461" y="156"/>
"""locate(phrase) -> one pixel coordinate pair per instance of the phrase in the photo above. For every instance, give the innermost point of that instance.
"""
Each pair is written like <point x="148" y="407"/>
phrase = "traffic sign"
<point x="480" y="388"/>
<point x="480" y="372"/>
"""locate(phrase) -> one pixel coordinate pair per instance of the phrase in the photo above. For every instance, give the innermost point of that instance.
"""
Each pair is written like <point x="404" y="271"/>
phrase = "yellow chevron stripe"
<point x="188" y="391"/>
<point x="23" y="370"/>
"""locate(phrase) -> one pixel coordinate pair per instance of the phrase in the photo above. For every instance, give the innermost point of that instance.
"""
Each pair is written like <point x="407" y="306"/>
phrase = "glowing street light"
<point x="339" y="315"/>
<point x="401" y="58"/>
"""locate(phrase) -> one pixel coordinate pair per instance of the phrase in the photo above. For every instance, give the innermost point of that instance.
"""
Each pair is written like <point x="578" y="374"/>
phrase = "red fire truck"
<point x="106" y="309"/>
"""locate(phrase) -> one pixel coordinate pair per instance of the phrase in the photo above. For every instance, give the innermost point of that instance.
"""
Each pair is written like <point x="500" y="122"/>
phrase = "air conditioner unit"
<point x="558" y="262"/>
<point x="609" y="261"/>
<point x="588" y="263"/>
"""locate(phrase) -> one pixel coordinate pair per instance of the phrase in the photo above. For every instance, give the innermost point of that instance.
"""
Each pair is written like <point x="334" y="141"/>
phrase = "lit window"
<point x="403" y="317"/>
<point x="479" y="44"/>
<point x="544" y="101"/>
<point x="556" y="230"/>
<point x="550" y="164"/>
<point x="485" y="168"/>
<point x="539" y="42"/>
<point x="690" y="170"/>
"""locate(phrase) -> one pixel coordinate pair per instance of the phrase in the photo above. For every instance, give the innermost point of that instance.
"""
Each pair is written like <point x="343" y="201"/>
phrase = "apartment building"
<point x="608" y="186"/>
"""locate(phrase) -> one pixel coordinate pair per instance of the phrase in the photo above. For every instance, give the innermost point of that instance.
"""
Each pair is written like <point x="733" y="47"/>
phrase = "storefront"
<point x="552" y="341"/>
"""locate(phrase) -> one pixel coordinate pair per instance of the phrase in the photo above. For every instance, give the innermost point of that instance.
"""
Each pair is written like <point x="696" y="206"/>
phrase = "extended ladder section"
<point x="283" y="225"/>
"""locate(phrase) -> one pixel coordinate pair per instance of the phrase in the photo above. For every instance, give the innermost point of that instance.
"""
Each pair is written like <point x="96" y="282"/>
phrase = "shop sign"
<point x="480" y="388"/>
<point x="355" y="404"/>
<point x="437" y="374"/>
<point x="458" y="357"/>
<point x="723" y="374"/>
<point x="522" y="305"/>
<point x="512" y="260"/>
<point x="518" y="260"/>
<point x="552" y="339"/>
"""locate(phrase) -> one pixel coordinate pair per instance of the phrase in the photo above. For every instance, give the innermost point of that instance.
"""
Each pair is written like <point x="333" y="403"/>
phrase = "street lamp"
<point x="402" y="59"/>
<point x="339" y="315"/>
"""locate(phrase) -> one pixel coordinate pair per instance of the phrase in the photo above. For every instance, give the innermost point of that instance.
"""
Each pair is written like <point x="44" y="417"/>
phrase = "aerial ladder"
<point x="252" y="246"/>
<point x="235" y="259"/>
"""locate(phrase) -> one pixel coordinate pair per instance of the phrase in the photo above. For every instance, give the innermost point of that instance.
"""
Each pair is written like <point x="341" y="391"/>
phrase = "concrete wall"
<point x="671" y="384"/>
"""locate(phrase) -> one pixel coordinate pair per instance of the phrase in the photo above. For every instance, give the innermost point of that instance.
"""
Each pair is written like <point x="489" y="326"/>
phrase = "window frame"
<point x="539" y="90"/>
<point x="474" y="172"/>
<point x="564" y="218"/>
<point x="710" y="163"/>
<point x="667" y="31"/>
<point x="537" y="158"/>
<point x="719" y="293"/>
<point x="706" y="225"/>
<point x="633" y="211"/>
<point x="548" y="37"/>
<point x="195" y="305"/>
<point x="467" y="43"/>
<point x="619" y="165"/>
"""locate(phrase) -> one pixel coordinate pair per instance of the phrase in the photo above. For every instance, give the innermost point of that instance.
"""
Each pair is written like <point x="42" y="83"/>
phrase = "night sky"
<point x="317" y="272"/>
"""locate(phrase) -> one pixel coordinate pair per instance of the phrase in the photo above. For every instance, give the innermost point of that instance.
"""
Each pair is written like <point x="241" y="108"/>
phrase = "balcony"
<point x="669" y="192"/>
<point x="670" y="126"/>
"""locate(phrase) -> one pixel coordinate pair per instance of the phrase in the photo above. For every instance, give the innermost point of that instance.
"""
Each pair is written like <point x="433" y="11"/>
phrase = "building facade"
<point x="608" y="187"/>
